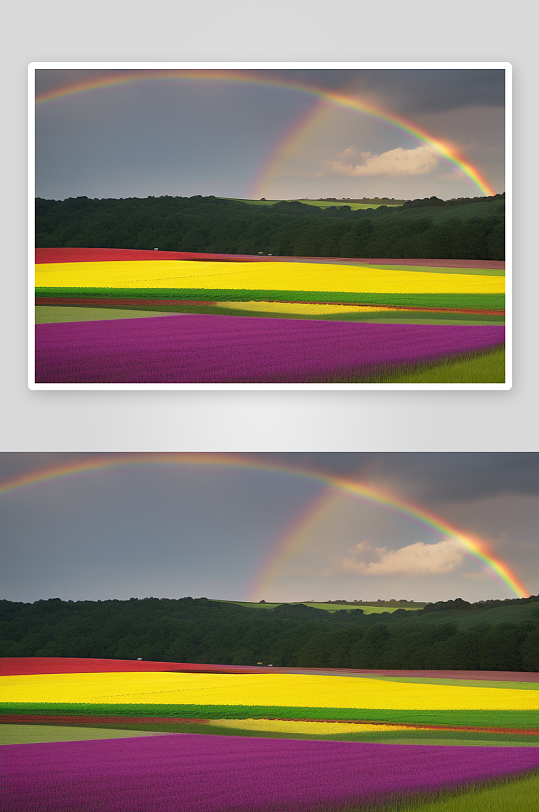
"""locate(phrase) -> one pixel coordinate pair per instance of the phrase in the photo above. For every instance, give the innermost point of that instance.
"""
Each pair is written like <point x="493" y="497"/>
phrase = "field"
<point x="244" y="319"/>
<point x="96" y="734"/>
<point x="322" y="204"/>
<point x="338" y="607"/>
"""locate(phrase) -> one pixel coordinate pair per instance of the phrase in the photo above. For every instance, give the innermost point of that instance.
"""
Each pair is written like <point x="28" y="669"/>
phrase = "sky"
<point x="271" y="133"/>
<point x="271" y="526"/>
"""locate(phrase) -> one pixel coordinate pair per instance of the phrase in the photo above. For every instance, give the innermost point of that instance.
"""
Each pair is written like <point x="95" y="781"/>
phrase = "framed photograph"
<point x="269" y="632"/>
<point x="270" y="225"/>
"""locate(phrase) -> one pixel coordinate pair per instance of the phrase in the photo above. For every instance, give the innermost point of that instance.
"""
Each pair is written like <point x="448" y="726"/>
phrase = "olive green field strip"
<point x="515" y="794"/>
<point x="28" y="732"/>
<point x="36" y="733"/>
<point x="79" y="312"/>
<point x="487" y="367"/>
<point x="57" y="314"/>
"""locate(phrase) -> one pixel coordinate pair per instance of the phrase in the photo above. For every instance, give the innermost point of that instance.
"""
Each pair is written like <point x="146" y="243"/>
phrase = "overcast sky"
<point x="161" y="530"/>
<point x="178" y="136"/>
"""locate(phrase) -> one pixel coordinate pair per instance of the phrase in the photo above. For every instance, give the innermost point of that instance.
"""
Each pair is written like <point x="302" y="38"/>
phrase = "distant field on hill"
<point x="368" y="608"/>
<point x="322" y="204"/>
<point x="476" y="208"/>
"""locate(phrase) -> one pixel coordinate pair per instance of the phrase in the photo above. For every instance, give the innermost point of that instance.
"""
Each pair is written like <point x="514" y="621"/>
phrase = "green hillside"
<point x="476" y="207"/>
<point x="453" y="635"/>
<point x="430" y="229"/>
<point x="478" y="614"/>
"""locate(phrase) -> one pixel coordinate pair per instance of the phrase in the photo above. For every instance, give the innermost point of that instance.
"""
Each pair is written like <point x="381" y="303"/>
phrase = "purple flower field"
<point x="190" y="773"/>
<point x="191" y="348"/>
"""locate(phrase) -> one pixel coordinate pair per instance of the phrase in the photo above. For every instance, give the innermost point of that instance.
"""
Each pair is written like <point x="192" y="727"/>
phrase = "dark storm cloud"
<point x="456" y="477"/>
<point x="440" y="477"/>
<point x="429" y="476"/>
<point x="414" y="91"/>
<point x="437" y="91"/>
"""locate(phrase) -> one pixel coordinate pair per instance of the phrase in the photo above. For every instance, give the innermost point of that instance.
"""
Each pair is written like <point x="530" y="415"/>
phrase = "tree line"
<point x="287" y="228"/>
<point x="204" y="631"/>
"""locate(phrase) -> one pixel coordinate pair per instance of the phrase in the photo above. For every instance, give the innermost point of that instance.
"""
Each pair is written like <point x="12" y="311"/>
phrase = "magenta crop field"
<point x="189" y="773"/>
<point x="219" y="349"/>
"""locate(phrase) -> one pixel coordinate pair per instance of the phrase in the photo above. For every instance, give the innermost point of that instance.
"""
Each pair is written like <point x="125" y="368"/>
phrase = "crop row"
<point x="455" y="301"/>
<point x="509" y="719"/>
<point x="177" y="722"/>
<point x="296" y="276"/>
<point x="219" y="349"/>
<point x="208" y="773"/>
<point x="274" y="689"/>
<point x="18" y="666"/>
<point x="63" y="255"/>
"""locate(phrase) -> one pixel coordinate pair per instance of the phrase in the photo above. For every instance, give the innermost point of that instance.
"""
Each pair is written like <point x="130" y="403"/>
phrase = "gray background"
<point x="267" y="30"/>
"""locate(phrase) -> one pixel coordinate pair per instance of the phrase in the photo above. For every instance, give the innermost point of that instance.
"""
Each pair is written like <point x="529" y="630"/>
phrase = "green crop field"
<point x="32" y="734"/>
<point x="512" y="795"/>
<point x="57" y="314"/>
<point x="486" y="367"/>
<point x="457" y="301"/>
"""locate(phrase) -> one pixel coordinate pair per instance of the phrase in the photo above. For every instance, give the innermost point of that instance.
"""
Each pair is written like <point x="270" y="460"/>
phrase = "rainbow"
<point x="446" y="152"/>
<point x="472" y="546"/>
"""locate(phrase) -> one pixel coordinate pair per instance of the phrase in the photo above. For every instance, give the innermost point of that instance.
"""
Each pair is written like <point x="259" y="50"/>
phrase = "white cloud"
<point x="415" y="559"/>
<point x="393" y="163"/>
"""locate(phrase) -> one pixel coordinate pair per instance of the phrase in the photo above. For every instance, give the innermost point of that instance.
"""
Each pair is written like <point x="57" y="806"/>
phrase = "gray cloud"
<point x="415" y="90"/>
<point x="431" y="476"/>
<point x="434" y="476"/>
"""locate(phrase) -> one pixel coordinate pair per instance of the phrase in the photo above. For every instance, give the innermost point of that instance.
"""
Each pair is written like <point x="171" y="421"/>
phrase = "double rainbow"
<point x="446" y="152"/>
<point x="472" y="546"/>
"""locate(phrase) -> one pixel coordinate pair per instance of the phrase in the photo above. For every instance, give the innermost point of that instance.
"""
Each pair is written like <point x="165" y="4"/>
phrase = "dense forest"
<point x="471" y="228"/>
<point x="494" y="635"/>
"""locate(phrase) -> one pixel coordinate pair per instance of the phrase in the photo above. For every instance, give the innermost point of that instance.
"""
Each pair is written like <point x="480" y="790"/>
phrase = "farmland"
<point x="264" y="320"/>
<point x="298" y="741"/>
<point x="337" y="606"/>
<point x="354" y="205"/>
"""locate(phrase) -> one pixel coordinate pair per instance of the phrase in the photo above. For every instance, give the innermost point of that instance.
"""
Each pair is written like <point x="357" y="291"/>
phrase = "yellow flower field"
<point x="291" y="690"/>
<point x="259" y="276"/>
<point x="300" y="308"/>
<point x="310" y="728"/>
